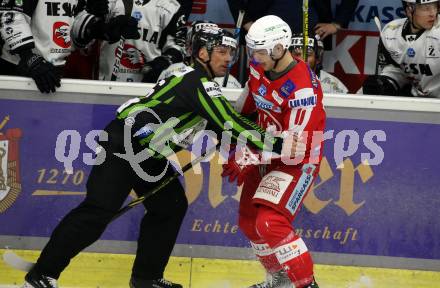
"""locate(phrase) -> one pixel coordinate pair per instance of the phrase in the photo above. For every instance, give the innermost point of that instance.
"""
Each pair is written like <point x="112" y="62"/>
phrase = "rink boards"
<point x="361" y="214"/>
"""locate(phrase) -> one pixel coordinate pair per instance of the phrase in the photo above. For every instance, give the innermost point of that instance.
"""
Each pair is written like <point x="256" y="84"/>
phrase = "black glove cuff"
<point x="173" y="55"/>
<point x="28" y="61"/>
<point x="25" y="53"/>
<point x="95" y="29"/>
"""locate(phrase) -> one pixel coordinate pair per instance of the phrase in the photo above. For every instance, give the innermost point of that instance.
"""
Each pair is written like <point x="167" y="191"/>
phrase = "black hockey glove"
<point x="181" y="32"/>
<point x="112" y="31"/>
<point x="44" y="73"/>
<point x="153" y="68"/>
<point x="380" y="85"/>
<point x="180" y="37"/>
<point x="97" y="7"/>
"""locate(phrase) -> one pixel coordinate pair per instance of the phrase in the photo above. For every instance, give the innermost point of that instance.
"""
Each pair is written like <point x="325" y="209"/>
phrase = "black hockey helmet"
<point x="211" y="37"/>
<point x="195" y="27"/>
<point x="314" y="45"/>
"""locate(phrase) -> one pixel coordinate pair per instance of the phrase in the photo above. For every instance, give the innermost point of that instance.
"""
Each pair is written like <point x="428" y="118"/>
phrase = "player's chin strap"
<point x="277" y="60"/>
<point x="208" y="64"/>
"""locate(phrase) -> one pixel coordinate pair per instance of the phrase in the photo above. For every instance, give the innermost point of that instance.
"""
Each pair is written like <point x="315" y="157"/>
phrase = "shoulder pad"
<point x="176" y="69"/>
<point x="170" y="5"/>
<point x="394" y="25"/>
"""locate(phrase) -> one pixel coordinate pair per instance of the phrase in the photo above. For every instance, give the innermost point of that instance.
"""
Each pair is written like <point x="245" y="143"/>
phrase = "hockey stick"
<point x="118" y="57"/>
<point x="305" y="28"/>
<point x="128" y="7"/>
<point x="15" y="261"/>
<point x="379" y="27"/>
<point x="164" y="183"/>
<point x="236" y="36"/>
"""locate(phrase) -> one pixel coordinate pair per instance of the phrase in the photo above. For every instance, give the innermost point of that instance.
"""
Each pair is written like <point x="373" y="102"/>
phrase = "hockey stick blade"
<point x="16" y="262"/>
<point x="378" y="25"/>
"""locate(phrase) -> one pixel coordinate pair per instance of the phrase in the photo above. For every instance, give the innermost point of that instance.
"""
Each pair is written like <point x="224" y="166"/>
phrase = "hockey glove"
<point x="181" y="32"/>
<point x="45" y="75"/>
<point x="97" y="7"/>
<point x="152" y="69"/>
<point x="122" y="25"/>
<point x="380" y="85"/>
<point x="240" y="162"/>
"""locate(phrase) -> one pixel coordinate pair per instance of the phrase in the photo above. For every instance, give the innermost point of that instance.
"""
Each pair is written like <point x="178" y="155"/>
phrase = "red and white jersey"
<point x="291" y="103"/>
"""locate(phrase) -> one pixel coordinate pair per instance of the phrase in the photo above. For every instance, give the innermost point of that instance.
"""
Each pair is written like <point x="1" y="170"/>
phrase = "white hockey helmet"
<point x="405" y="3"/>
<point x="266" y="33"/>
<point x="420" y="1"/>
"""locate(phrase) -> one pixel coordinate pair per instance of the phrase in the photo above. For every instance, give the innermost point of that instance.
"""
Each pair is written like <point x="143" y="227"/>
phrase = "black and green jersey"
<point x="182" y="105"/>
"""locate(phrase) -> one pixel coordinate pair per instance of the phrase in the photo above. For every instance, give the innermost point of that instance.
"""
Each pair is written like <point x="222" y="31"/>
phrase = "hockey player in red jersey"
<point x="287" y="97"/>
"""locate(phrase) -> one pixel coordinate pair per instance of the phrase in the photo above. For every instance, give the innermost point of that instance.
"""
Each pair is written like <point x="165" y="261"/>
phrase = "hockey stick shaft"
<point x="305" y="28"/>
<point x="237" y="36"/>
<point x="118" y="57"/>
<point x="162" y="185"/>
<point x="379" y="27"/>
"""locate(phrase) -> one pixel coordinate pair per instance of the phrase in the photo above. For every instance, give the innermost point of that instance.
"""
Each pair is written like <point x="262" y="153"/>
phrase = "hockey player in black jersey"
<point x="186" y="103"/>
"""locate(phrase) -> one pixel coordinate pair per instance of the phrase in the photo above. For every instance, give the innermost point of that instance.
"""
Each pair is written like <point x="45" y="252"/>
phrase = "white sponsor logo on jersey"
<point x="264" y="104"/>
<point x="273" y="186"/>
<point x="254" y="73"/>
<point x="301" y="188"/>
<point x="261" y="249"/>
<point x="212" y="89"/>
<point x="277" y="97"/>
<point x="304" y="98"/>
<point x="290" y="250"/>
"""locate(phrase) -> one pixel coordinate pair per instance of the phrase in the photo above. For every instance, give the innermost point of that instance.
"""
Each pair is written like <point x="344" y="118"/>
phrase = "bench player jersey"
<point x="44" y="25"/>
<point x="410" y="58"/>
<point x="153" y="17"/>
